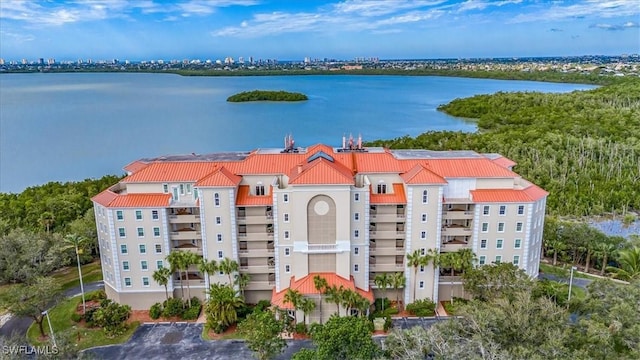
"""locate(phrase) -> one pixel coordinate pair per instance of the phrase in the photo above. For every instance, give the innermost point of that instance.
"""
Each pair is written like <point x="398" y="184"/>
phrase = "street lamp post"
<point x="53" y="338"/>
<point x="571" y="283"/>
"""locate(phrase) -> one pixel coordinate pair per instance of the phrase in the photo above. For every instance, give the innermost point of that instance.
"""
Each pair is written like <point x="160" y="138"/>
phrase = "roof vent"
<point x="320" y="154"/>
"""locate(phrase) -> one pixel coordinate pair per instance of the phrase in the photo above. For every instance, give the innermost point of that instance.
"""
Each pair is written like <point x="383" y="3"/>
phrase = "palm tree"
<point x="382" y="281"/>
<point x="228" y="267"/>
<point x="242" y="280"/>
<point x="293" y="297"/>
<point x="208" y="267"/>
<point x="467" y="259"/>
<point x="629" y="261"/>
<point x="222" y="306"/>
<point x="321" y="285"/>
<point x="176" y="263"/>
<point x="397" y="281"/>
<point x="161" y="276"/>
<point x="335" y="294"/>
<point x="190" y="258"/>
<point x="75" y="241"/>
<point x="307" y="306"/>
<point x="605" y="250"/>
<point x="555" y="246"/>
<point x="416" y="260"/>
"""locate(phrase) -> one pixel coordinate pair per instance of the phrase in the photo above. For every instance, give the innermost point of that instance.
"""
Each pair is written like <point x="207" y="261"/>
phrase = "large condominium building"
<point x="286" y="215"/>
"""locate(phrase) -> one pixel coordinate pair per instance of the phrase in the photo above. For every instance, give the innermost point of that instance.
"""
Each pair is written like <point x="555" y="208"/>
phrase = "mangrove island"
<point x="264" y="95"/>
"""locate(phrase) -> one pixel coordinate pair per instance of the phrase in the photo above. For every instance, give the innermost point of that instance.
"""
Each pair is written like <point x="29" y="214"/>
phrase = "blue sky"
<point x="290" y="30"/>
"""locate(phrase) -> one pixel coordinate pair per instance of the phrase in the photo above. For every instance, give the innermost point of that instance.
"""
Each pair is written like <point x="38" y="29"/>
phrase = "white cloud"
<point x="471" y="5"/>
<point x="381" y="7"/>
<point x="582" y="9"/>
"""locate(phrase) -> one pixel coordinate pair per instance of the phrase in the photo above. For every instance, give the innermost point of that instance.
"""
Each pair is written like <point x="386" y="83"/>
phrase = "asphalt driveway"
<point x="181" y="341"/>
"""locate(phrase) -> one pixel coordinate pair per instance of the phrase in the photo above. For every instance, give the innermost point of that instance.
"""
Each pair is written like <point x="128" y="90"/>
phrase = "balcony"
<point x="255" y="252"/>
<point x="255" y="236"/>
<point x="185" y="234"/>
<point x="457" y="215"/>
<point x="385" y="234"/>
<point x="249" y="219"/>
<point x="382" y="217"/>
<point x="184" y="219"/>
<point x="456" y="231"/>
<point x="391" y="250"/>
<point x="193" y="280"/>
<point x="452" y="246"/>
<point x="392" y="267"/>
<point x="260" y="285"/>
<point x="189" y="248"/>
<point x="257" y="269"/>
<point x="449" y="279"/>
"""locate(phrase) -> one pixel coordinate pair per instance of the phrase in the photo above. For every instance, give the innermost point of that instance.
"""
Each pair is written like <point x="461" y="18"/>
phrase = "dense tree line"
<point x="265" y="95"/>
<point x="583" y="147"/>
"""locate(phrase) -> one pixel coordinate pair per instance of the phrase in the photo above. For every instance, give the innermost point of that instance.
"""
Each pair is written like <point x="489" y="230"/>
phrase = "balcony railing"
<point x="385" y="234"/>
<point x="186" y="219"/>
<point x="185" y="235"/>
<point x="386" y="267"/>
<point x="379" y="250"/>
<point x="453" y="231"/>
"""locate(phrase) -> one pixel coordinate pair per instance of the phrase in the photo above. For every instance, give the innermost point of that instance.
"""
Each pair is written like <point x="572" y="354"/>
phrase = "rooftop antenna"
<point x="359" y="141"/>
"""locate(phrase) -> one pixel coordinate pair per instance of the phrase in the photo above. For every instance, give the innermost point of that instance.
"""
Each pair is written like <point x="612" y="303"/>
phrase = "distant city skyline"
<point x="292" y="30"/>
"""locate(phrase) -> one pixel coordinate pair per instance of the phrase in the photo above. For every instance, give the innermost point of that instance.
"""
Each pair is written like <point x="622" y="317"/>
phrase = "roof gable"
<point x="320" y="171"/>
<point x="421" y="175"/>
<point x="220" y="177"/>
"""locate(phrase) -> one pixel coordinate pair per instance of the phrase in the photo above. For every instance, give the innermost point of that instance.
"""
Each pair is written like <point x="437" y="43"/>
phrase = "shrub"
<point x="172" y="307"/>
<point x="193" y="312"/>
<point x="387" y="323"/>
<point x="155" y="311"/>
<point x="195" y="301"/>
<point x="423" y="307"/>
<point x="378" y="304"/>
<point x="391" y="311"/>
<point x="75" y="317"/>
<point x="112" y="317"/>
<point x="244" y="311"/>
<point x="97" y="295"/>
<point x="262" y="305"/>
<point x="301" y="328"/>
<point x="88" y="317"/>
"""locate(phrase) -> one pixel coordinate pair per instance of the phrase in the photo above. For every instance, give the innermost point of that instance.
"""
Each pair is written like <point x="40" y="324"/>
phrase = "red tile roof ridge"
<point x="303" y="173"/>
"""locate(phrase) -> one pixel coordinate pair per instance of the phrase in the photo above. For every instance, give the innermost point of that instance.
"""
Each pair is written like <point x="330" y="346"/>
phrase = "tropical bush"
<point x="173" y="307"/>
<point x="422" y="307"/>
<point x="155" y="311"/>
<point x="112" y="317"/>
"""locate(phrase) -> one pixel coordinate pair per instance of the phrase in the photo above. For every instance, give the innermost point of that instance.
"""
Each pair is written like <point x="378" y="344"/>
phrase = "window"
<point x="174" y="194"/>
<point x="121" y="232"/>
<point x="285" y="198"/>
<point x="519" y="227"/>
<point x="181" y="189"/>
<point x="119" y="215"/>
<point x="143" y="265"/>
<point x="483" y="244"/>
<point x="356" y="233"/>
<point x="499" y="243"/>
<point x="498" y="259"/>
<point x="138" y="214"/>
<point x="145" y="281"/>
<point x="485" y="227"/>
<point x="520" y="209"/>
<point x="216" y="199"/>
<point x="356" y="250"/>
<point x="421" y="268"/>
<point x="154" y="215"/>
<point x="482" y="260"/>
<point x="356" y="268"/>
<point x="287" y="251"/>
<point x="356" y="216"/>
<point x="423" y="218"/>
<point x="127" y="282"/>
<point x="503" y="210"/>
<point x="286" y="217"/>
<point x="142" y="248"/>
<point x="159" y="264"/>
<point x="125" y="265"/>
<point x="156" y="232"/>
<point x="123" y="249"/>
<point x="195" y="193"/>
<point x="423" y="235"/>
<point x="158" y="249"/>
<point x="219" y="237"/>
<point x="188" y="188"/>
<point x="423" y="251"/>
<point x="287" y="268"/>
<point x="517" y="243"/>
<point x="220" y="255"/>
<point x="486" y="209"/>
<point x="425" y="197"/>
<point x="259" y="190"/>
<point x="500" y="227"/>
<point x="382" y="188"/>
<point x="165" y="188"/>
<point x="421" y="284"/>
<point x="140" y="232"/>
<point x="516" y="259"/>
<point x="356" y="197"/>
<point x="286" y="234"/>
<point x="218" y="220"/>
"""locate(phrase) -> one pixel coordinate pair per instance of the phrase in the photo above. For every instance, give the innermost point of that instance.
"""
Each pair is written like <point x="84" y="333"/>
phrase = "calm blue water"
<point x="60" y="127"/>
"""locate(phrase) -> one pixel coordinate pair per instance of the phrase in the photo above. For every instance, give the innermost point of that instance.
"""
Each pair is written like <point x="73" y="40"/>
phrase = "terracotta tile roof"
<point x="108" y="198"/>
<point x="104" y="198"/>
<point x="398" y="196"/>
<point x="465" y="168"/>
<point x="220" y="177"/>
<point x="380" y="163"/>
<point x="504" y="162"/>
<point x="421" y="175"/>
<point x="174" y="171"/>
<point x="135" y="166"/>
<point x="530" y="194"/>
<point x="306" y="286"/>
<point x="244" y="198"/>
<point x="320" y="171"/>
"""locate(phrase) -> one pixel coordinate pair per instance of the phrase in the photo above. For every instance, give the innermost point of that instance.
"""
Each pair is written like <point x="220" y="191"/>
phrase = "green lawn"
<point x="61" y="322"/>
<point x="68" y="276"/>
<point x="233" y="335"/>
<point x="563" y="271"/>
